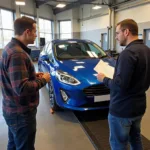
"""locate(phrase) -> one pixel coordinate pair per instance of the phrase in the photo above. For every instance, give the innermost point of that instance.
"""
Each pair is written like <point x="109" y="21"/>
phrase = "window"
<point x="49" y="51"/>
<point x="65" y="29"/>
<point x="44" y="50"/>
<point x="45" y="29"/>
<point x="96" y="49"/>
<point x="78" y="50"/>
<point x="6" y="27"/>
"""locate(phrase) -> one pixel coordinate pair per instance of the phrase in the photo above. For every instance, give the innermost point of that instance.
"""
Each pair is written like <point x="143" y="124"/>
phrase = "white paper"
<point x="105" y="68"/>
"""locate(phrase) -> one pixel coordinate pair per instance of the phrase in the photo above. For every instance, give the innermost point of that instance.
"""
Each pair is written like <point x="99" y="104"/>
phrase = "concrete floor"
<point x="146" y="118"/>
<point x="62" y="131"/>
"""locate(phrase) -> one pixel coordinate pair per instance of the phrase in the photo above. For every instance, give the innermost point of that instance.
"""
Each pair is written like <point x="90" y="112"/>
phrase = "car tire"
<point x="52" y="97"/>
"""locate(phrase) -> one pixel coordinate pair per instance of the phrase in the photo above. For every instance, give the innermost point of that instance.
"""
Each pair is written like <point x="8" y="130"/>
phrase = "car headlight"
<point x="66" y="78"/>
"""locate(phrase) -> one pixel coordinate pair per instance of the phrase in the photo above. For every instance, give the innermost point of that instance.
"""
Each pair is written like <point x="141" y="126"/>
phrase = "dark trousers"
<point x="21" y="131"/>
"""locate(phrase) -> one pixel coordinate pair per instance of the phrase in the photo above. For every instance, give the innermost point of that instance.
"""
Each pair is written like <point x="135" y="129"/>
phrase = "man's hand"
<point x="39" y="74"/>
<point x="46" y="76"/>
<point x="100" y="77"/>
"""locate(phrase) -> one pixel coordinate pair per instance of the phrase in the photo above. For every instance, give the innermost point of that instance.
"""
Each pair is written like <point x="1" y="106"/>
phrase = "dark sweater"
<point x="130" y="82"/>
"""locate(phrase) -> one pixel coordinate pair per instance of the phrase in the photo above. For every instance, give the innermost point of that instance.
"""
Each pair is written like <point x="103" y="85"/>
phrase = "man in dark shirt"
<point x="20" y="86"/>
<point x="128" y="86"/>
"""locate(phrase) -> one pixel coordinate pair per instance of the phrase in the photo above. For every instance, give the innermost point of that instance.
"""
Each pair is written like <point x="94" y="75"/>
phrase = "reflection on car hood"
<point x="82" y="69"/>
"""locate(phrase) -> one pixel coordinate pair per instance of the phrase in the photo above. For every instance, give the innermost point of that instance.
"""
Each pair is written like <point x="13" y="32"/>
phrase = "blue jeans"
<point x="124" y="130"/>
<point x="21" y="131"/>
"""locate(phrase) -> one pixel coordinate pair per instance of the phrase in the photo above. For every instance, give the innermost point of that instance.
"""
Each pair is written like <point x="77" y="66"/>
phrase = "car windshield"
<point x="78" y="50"/>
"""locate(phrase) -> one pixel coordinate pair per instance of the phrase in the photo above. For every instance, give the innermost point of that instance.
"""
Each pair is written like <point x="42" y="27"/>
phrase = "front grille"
<point x="104" y="104"/>
<point x="96" y="90"/>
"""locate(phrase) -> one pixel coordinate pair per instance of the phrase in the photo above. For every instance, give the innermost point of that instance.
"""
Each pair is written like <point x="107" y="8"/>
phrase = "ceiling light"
<point x="20" y="2"/>
<point x="61" y="5"/>
<point x="96" y="7"/>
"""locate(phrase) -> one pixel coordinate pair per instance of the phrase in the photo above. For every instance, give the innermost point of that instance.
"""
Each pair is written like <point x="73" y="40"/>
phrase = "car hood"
<point x="82" y="69"/>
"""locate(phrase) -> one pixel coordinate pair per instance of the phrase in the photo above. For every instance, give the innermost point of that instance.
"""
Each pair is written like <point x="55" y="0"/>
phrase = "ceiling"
<point x="76" y="3"/>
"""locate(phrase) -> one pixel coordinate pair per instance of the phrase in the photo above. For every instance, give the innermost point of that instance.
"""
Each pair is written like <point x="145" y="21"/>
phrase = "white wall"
<point x="9" y="4"/>
<point x="75" y="20"/>
<point x="139" y="14"/>
<point x="66" y="15"/>
<point x="93" y="23"/>
<point x="45" y="11"/>
<point x="29" y="8"/>
<point x="96" y="23"/>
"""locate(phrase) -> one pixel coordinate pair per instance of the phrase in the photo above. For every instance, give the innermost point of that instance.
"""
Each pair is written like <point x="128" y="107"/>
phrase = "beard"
<point x="123" y="43"/>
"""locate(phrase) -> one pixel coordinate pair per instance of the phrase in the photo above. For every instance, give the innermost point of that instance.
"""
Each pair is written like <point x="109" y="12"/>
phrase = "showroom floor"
<point x="62" y="130"/>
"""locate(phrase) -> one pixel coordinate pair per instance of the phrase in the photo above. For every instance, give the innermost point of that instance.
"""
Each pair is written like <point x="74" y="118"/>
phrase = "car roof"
<point x="69" y="40"/>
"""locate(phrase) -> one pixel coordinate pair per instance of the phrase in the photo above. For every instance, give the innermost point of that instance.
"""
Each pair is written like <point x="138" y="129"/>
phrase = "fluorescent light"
<point x="20" y="2"/>
<point x="61" y="5"/>
<point x="96" y="7"/>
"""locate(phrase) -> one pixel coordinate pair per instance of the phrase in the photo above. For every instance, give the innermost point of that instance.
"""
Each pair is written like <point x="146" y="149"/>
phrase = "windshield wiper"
<point x="86" y="58"/>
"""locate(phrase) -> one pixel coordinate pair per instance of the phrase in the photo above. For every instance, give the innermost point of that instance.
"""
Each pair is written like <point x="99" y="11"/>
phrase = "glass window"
<point x="1" y="40"/>
<point x="6" y="27"/>
<point x="78" y="50"/>
<point x="47" y="25"/>
<point x="8" y="34"/>
<point x="48" y="37"/>
<point x="7" y="19"/>
<point x="65" y="29"/>
<point x="41" y="25"/>
<point x="42" y="35"/>
<point x="49" y="51"/>
<point x="45" y="29"/>
<point x="44" y="50"/>
<point x="49" y="48"/>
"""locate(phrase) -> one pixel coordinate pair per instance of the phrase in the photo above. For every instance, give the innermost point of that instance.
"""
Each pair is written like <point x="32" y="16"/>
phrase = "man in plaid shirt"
<point x="20" y="86"/>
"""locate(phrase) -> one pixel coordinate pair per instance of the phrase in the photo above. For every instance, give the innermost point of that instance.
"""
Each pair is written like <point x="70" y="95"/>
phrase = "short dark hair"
<point x="22" y="24"/>
<point x="129" y="24"/>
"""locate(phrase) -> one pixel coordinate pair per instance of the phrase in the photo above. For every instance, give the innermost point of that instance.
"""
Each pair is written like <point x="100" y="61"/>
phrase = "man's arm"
<point x="19" y="75"/>
<point x="124" y="72"/>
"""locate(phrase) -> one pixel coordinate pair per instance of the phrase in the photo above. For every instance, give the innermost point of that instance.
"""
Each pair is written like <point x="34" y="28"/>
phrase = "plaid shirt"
<point x="20" y="86"/>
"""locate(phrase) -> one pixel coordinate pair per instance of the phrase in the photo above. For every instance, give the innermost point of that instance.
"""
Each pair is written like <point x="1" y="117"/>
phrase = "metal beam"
<point x="121" y="3"/>
<point x="85" y="1"/>
<point x="40" y="2"/>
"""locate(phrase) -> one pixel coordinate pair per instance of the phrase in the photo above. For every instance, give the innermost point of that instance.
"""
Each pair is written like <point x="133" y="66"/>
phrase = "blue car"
<point x="73" y="82"/>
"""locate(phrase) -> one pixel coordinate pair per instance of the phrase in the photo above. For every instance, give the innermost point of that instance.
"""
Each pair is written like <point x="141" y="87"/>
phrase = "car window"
<point x="49" y="51"/>
<point x="43" y="52"/>
<point x="78" y="50"/>
<point x="96" y="50"/>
